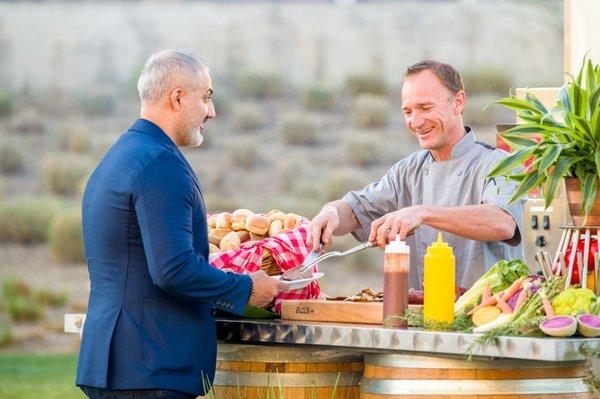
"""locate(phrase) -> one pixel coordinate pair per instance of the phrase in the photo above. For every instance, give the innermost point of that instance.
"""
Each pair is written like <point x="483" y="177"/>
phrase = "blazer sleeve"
<point x="164" y="201"/>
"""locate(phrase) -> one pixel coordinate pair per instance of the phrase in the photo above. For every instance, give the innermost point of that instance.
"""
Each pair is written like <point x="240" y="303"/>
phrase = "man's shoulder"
<point x="414" y="160"/>
<point x="138" y="151"/>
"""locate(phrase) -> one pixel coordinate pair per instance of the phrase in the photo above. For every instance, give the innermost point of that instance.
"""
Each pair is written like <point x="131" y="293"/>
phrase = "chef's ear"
<point x="460" y="98"/>
<point x="176" y="95"/>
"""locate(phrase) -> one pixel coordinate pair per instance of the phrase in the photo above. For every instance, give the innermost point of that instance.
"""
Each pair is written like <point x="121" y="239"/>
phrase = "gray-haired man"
<point x="150" y="327"/>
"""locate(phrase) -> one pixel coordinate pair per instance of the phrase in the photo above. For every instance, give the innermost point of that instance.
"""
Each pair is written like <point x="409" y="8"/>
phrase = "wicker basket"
<point x="268" y="264"/>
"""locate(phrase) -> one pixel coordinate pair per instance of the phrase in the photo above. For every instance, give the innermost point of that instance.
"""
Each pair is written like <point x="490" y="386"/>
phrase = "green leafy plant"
<point x="568" y="143"/>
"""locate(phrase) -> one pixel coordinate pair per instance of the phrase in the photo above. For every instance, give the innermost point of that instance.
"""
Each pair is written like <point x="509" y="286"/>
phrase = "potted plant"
<point x="563" y="142"/>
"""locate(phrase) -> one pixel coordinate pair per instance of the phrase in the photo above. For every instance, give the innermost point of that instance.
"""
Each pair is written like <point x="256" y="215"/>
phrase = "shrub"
<point x="28" y="122"/>
<point x="51" y="299"/>
<point x="12" y="158"/>
<point x="76" y="138"/>
<point x="366" y="151"/>
<point x="366" y="84"/>
<point x="298" y="130"/>
<point x="318" y="98"/>
<point x="248" y="116"/>
<point x="371" y="111"/>
<point x="244" y="155"/>
<point x="65" y="236"/>
<point x="339" y="183"/>
<point x="217" y="202"/>
<point x="6" y="103"/>
<point x="62" y="173"/>
<point x="6" y="336"/>
<point x="18" y="301"/>
<point x="26" y="219"/>
<point x="487" y="79"/>
<point x="258" y="84"/>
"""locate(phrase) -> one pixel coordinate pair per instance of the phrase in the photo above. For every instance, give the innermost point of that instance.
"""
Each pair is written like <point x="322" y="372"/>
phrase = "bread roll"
<point x="224" y="221"/>
<point x="245" y="212"/>
<point x="276" y="216"/>
<point x="213" y="249"/>
<point x="257" y="237"/>
<point x="244" y="235"/>
<point x="229" y="242"/>
<point x="275" y="228"/>
<point x="238" y="222"/>
<point x="257" y="224"/>
<point x="212" y="221"/>
<point x="291" y="221"/>
<point x="216" y="235"/>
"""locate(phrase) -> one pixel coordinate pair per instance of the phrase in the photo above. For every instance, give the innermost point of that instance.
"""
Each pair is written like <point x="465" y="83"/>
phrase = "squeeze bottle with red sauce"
<point x="395" y="282"/>
<point x="438" y="284"/>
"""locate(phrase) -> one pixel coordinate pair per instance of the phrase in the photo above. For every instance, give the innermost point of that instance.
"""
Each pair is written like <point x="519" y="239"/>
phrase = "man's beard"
<point x="193" y="137"/>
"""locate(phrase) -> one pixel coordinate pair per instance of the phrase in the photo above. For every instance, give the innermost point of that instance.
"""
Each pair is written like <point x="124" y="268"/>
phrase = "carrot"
<point x="504" y="307"/>
<point x="491" y="301"/>
<point x="486" y="292"/>
<point x="547" y="305"/>
<point x="510" y="291"/>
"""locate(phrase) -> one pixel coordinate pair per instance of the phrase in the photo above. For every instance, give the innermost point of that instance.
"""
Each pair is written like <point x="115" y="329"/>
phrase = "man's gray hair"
<point x="167" y="69"/>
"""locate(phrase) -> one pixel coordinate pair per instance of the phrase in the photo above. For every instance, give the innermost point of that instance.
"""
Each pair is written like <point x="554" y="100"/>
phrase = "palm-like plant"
<point x="563" y="141"/>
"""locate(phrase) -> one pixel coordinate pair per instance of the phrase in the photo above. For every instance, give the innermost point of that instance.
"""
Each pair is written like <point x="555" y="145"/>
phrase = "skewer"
<point x="540" y="263"/>
<point x="565" y="244"/>
<point x="586" y="255"/>
<point x="574" y="240"/>
<point x="559" y="250"/>
<point x="563" y="266"/>
<point x="582" y="278"/>
<point x="596" y="264"/>
<point x="548" y="260"/>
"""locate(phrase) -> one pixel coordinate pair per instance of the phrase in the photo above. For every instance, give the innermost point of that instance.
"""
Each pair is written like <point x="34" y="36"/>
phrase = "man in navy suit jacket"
<point x="150" y="327"/>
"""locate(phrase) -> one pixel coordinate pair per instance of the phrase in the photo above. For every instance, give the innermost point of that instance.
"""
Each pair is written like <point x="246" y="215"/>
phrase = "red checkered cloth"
<point x="287" y="249"/>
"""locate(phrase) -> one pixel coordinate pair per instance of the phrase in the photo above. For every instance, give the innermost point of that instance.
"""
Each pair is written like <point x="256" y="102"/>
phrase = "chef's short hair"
<point x="446" y="73"/>
<point x="168" y="69"/>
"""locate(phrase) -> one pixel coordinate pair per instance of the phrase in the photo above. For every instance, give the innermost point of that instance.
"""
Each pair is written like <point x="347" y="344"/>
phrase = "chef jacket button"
<point x="459" y="173"/>
<point x="425" y="172"/>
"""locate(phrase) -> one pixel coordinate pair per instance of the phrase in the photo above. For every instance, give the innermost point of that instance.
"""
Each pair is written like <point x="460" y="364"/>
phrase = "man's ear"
<point x="176" y="95"/>
<point x="460" y="100"/>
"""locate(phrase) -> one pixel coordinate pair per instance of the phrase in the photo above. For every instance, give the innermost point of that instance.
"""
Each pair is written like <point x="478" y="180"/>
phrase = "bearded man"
<point x="150" y="326"/>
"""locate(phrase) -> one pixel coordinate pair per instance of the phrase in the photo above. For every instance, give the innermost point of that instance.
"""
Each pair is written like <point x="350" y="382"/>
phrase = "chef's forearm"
<point x="348" y="220"/>
<point x="476" y="222"/>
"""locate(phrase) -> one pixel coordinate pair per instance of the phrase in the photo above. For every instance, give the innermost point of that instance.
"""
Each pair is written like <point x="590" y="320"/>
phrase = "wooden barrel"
<point x="250" y="371"/>
<point x="407" y="376"/>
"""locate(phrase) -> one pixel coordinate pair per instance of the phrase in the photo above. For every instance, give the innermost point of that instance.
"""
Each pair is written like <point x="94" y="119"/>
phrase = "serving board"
<point x="335" y="311"/>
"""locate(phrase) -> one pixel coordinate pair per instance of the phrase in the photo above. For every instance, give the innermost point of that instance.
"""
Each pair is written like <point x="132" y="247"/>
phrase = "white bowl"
<point x="297" y="284"/>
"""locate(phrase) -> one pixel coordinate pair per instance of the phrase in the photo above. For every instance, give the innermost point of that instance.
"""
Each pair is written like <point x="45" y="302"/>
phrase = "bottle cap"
<point x="397" y="246"/>
<point x="439" y="247"/>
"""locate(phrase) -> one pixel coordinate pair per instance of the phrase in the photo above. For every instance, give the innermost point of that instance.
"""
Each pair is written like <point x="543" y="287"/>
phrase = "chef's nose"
<point x="415" y="121"/>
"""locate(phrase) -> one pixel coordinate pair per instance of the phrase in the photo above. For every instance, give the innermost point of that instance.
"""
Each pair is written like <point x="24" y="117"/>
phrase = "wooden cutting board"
<point x="335" y="311"/>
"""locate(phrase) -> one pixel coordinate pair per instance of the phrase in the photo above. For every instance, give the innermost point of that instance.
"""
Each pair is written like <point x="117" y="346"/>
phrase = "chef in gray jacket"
<point x="441" y="188"/>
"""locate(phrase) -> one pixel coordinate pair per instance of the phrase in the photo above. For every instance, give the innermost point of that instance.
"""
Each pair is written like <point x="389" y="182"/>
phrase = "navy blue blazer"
<point x="150" y="320"/>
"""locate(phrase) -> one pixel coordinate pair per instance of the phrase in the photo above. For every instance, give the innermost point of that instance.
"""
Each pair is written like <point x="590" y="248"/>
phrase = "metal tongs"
<point x="297" y="272"/>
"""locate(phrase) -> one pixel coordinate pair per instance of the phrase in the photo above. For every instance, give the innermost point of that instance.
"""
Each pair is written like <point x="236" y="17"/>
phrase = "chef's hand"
<point x="322" y="227"/>
<point x="402" y="222"/>
<point x="265" y="290"/>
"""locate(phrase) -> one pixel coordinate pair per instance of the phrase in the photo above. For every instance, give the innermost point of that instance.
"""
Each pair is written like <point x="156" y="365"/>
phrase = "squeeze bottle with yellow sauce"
<point x="438" y="285"/>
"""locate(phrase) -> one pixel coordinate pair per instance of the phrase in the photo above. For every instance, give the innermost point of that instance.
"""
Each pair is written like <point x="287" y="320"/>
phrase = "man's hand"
<point x="322" y="227"/>
<point x="265" y="289"/>
<point x="402" y="222"/>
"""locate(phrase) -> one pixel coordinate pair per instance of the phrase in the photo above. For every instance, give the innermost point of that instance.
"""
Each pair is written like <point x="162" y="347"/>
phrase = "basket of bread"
<point x="244" y="242"/>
